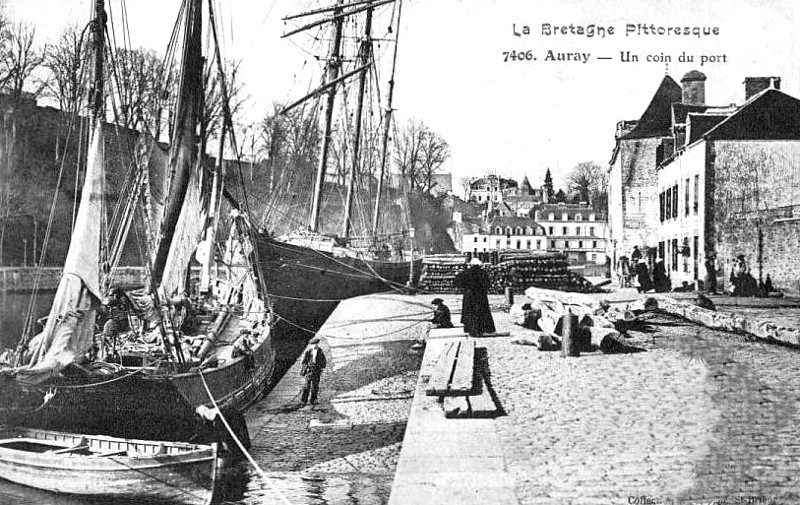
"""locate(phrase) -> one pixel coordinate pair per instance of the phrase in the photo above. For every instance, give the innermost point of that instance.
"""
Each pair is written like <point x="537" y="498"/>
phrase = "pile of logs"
<point x="595" y="321"/>
<point x="439" y="271"/>
<point x="515" y="269"/>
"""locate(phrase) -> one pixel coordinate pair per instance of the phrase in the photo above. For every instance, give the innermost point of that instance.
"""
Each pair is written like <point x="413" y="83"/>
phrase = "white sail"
<point x="69" y="330"/>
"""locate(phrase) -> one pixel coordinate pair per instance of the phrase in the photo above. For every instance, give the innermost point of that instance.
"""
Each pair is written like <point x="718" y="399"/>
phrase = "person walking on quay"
<point x="643" y="277"/>
<point x="441" y="314"/>
<point x="314" y="362"/>
<point x="711" y="274"/>
<point x="636" y="255"/>
<point x="475" y="313"/>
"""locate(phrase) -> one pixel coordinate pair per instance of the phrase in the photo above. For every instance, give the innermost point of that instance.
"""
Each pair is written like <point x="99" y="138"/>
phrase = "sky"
<point x="512" y="118"/>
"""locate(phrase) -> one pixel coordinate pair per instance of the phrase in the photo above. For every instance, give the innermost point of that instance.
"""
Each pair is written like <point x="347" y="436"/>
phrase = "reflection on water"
<point x="13" y="307"/>
<point x="244" y="487"/>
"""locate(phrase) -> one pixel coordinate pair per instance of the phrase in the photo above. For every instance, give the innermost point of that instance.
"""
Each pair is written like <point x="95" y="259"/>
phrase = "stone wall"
<point x="757" y="209"/>
<point x="637" y="196"/>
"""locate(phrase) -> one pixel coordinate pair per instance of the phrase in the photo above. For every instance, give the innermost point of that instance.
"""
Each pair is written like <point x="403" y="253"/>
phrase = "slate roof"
<point x="768" y="115"/>
<point x="657" y="118"/>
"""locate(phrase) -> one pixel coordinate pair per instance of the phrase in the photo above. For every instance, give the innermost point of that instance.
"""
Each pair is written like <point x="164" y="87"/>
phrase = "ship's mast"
<point x="334" y="64"/>
<point x="365" y="53"/>
<point x="387" y="122"/>
<point x="98" y="32"/>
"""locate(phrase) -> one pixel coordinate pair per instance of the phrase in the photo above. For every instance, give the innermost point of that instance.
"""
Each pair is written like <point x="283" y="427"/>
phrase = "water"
<point x="13" y="307"/>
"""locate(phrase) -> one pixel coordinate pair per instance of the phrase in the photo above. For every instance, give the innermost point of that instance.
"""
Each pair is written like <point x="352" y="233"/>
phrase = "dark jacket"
<point x="475" y="313"/>
<point x="311" y="366"/>
<point x="441" y="317"/>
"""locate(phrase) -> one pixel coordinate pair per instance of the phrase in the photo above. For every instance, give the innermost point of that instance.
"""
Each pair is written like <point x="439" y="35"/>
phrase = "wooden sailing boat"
<point x="159" y="380"/>
<point x="308" y="272"/>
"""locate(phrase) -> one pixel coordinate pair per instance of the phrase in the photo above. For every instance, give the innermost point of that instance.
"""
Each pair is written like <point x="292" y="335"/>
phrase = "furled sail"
<point x="69" y="330"/>
<point x="183" y="151"/>
<point x="188" y="233"/>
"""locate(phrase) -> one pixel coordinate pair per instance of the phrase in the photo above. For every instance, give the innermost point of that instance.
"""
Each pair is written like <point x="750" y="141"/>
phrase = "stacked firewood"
<point x="515" y="269"/>
<point x="439" y="272"/>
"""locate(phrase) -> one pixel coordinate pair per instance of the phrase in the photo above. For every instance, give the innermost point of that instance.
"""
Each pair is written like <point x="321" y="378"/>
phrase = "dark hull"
<point x="305" y="284"/>
<point x="142" y="405"/>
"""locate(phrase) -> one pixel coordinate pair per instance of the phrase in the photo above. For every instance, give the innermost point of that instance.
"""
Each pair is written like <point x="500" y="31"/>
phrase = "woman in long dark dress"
<point x="475" y="313"/>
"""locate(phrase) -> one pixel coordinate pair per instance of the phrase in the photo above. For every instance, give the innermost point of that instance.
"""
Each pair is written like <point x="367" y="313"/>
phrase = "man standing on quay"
<point x="314" y="362"/>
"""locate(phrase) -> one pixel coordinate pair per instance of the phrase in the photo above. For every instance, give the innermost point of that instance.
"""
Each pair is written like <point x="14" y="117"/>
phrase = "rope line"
<point x="239" y="443"/>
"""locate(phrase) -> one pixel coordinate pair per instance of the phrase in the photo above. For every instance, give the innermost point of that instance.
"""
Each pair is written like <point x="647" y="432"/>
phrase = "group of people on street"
<point x="638" y="269"/>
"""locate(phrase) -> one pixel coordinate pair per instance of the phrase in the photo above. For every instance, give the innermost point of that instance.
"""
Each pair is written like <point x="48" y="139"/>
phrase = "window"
<point x="594" y="244"/>
<point x="594" y="257"/>
<point x="550" y="230"/>
<point x="508" y="243"/>
<point x="675" y="201"/>
<point x="686" y="198"/>
<point x="509" y="231"/>
<point x="484" y="239"/>
<point x="497" y="246"/>
<point x="578" y="217"/>
<point x="674" y="255"/>
<point x="661" y="206"/>
<point x="696" y="192"/>
<point x="551" y="217"/>
<point x="577" y="230"/>
<point x="529" y="244"/>
<point x="520" y="232"/>
<point x="591" y="217"/>
<point x="661" y="250"/>
<point x="499" y="230"/>
<point x="667" y="204"/>
<point x="566" y="244"/>
<point x="591" y="231"/>
<point x="565" y="217"/>
<point x="475" y="239"/>
<point x="564" y="231"/>
<point x="538" y="244"/>
<point x="552" y="244"/>
<point x="519" y="244"/>
<point x="685" y="254"/>
<point x="580" y="244"/>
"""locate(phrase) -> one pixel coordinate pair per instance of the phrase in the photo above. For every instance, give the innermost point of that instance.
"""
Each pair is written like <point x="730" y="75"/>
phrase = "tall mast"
<point x="334" y="64"/>
<point x="98" y="32"/>
<point x="183" y="148"/>
<point x="387" y="122"/>
<point x="365" y="53"/>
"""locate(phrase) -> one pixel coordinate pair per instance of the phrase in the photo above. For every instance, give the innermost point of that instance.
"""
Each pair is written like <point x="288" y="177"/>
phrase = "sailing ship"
<point x="308" y="271"/>
<point x="151" y="384"/>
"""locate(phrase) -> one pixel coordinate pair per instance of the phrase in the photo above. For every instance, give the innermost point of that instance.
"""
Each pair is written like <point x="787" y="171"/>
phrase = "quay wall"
<point x="23" y="279"/>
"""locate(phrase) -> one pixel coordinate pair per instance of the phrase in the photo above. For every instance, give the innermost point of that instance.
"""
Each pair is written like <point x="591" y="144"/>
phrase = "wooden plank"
<point x="482" y="405"/>
<point x="444" y="370"/>
<point x="461" y="383"/>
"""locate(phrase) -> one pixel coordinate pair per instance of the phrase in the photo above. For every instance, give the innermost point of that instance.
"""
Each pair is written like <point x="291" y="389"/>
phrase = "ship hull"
<point x="139" y="403"/>
<point x="306" y="284"/>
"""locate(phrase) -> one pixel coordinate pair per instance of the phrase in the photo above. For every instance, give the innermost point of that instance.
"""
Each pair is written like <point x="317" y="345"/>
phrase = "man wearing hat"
<point x="313" y="362"/>
<point x="441" y="314"/>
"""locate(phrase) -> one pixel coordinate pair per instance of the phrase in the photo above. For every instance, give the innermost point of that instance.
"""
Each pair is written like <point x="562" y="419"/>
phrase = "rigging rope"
<point x="239" y="443"/>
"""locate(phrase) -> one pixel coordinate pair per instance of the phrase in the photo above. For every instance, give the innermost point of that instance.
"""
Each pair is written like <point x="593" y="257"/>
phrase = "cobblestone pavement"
<point x="346" y="448"/>
<point x="697" y="416"/>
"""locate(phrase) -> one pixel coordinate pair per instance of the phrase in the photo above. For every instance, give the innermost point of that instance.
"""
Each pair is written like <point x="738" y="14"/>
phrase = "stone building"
<point x="577" y="230"/>
<point x="632" y="181"/>
<point x="729" y="187"/>
<point x="491" y="189"/>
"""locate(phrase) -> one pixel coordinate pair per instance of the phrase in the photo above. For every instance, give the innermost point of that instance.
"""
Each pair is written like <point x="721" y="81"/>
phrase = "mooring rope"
<point x="239" y="443"/>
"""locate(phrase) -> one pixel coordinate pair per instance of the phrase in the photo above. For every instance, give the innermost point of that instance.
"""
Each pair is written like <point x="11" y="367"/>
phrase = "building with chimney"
<point x="492" y="189"/>
<point x="576" y="230"/>
<point x="728" y="185"/>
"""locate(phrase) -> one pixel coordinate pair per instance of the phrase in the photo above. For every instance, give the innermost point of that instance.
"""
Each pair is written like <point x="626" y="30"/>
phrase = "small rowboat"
<point x="112" y="468"/>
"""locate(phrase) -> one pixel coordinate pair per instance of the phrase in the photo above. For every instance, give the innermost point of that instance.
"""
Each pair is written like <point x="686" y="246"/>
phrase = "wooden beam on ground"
<point x="482" y="405"/>
<point x="444" y="370"/>
<point x="461" y="383"/>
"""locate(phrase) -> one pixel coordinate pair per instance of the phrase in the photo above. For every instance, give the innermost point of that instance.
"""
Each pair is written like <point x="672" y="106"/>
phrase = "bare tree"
<point x="63" y="62"/>
<point x="420" y="153"/>
<point x="587" y="182"/>
<point x="142" y="83"/>
<point x="19" y="59"/>
<point x="212" y="119"/>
